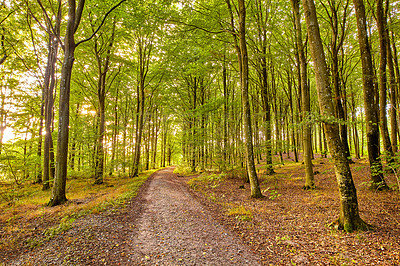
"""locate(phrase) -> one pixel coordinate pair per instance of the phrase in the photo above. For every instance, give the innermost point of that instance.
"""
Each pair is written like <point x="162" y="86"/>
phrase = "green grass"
<point x="23" y="205"/>
<point x="241" y="213"/>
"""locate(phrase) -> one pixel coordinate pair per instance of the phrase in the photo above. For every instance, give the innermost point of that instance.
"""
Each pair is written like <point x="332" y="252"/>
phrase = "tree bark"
<point x="393" y="95"/>
<point x="305" y="100"/>
<point x="349" y="218"/>
<point x="336" y="44"/>
<point x="144" y="52"/>
<point x="371" y="117"/>
<point x="255" y="187"/>
<point x="58" y="194"/>
<point x="49" y="84"/>
<point x="382" y="24"/>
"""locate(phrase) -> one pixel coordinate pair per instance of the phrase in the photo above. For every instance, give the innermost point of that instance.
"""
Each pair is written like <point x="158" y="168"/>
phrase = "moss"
<point x="348" y="228"/>
<point x="357" y="225"/>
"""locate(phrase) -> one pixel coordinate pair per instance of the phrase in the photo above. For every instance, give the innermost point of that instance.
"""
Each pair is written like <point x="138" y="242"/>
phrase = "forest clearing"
<point x="98" y="98"/>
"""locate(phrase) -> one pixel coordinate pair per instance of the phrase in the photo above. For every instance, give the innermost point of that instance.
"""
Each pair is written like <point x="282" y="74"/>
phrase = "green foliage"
<point x="241" y="213"/>
<point x="212" y="180"/>
<point x="183" y="169"/>
<point x="237" y="173"/>
<point x="273" y="193"/>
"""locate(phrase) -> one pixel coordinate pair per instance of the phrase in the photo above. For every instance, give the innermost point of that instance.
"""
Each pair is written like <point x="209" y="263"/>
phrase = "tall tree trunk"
<point x="144" y="51"/>
<point x="349" y="218"/>
<point x="393" y="95"/>
<point x="39" y="173"/>
<point x="99" y="164"/>
<point x="58" y="195"/>
<point x="115" y="134"/>
<point x="371" y="118"/>
<point x="397" y="71"/>
<point x="49" y="84"/>
<point x="336" y="44"/>
<point x="267" y="112"/>
<point x="382" y="24"/>
<point x="305" y="100"/>
<point x="226" y="116"/>
<point x="255" y="187"/>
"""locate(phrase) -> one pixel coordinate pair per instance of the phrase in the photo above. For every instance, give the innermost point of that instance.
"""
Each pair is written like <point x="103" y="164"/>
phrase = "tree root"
<point x="357" y="225"/>
<point x="55" y="202"/>
<point x="309" y="187"/>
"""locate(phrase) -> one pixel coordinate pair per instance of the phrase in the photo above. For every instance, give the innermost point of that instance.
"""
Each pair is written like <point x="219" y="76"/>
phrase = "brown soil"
<point x="163" y="225"/>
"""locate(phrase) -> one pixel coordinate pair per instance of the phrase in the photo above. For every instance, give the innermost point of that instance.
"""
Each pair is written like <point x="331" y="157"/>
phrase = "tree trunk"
<point x="393" y="95"/>
<point x="371" y="118"/>
<point x="49" y="84"/>
<point x="40" y="141"/>
<point x="349" y="218"/>
<point x="267" y="112"/>
<point x="397" y="71"/>
<point x="305" y="101"/>
<point x="226" y="100"/>
<point x="144" y="52"/>
<point x="114" y="136"/>
<point x="381" y="24"/>
<point x="58" y="195"/>
<point x="99" y="164"/>
<point x="255" y="187"/>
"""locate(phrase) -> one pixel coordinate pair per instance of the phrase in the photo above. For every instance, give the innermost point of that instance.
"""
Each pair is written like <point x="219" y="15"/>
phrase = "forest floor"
<point x="289" y="226"/>
<point x="210" y="219"/>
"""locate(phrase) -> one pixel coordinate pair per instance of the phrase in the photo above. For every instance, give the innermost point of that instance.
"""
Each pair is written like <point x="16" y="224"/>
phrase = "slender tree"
<point x="305" y="99"/>
<point x="244" y="82"/>
<point x="381" y="21"/>
<point x="371" y="118"/>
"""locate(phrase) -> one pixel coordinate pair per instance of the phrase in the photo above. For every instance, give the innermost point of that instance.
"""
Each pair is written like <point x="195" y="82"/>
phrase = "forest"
<point x="97" y="94"/>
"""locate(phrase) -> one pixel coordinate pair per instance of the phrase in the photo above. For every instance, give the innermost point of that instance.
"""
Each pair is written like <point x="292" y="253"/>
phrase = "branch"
<point x="199" y="28"/>
<point x="78" y="16"/>
<point x="3" y="59"/>
<point x="8" y="15"/>
<point x="101" y="24"/>
<point x="54" y="31"/>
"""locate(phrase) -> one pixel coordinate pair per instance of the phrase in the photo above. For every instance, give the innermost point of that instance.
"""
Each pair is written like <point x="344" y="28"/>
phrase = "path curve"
<point x="164" y="225"/>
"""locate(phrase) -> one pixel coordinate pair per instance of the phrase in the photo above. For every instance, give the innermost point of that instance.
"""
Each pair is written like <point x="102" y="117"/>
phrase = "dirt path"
<point x="164" y="225"/>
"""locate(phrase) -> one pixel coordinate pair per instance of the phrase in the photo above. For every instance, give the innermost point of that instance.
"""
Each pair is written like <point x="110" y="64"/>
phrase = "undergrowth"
<point x="241" y="213"/>
<point x="183" y="169"/>
<point x="212" y="180"/>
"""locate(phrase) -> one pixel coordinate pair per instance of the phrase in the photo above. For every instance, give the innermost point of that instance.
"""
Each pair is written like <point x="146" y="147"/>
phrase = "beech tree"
<point x="74" y="18"/>
<point x="244" y="83"/>
<point x="369" y="98"/>
<point x="349" y="218"/>
<point x="381" y="21"/>
<point x="305" y="99"/>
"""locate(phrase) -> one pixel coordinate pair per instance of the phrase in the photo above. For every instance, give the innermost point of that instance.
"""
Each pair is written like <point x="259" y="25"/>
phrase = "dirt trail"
<point x="164" y="225"/>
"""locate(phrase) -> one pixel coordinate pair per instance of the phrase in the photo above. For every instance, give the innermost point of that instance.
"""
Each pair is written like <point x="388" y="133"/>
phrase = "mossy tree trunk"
<point x="349" y="218"/>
